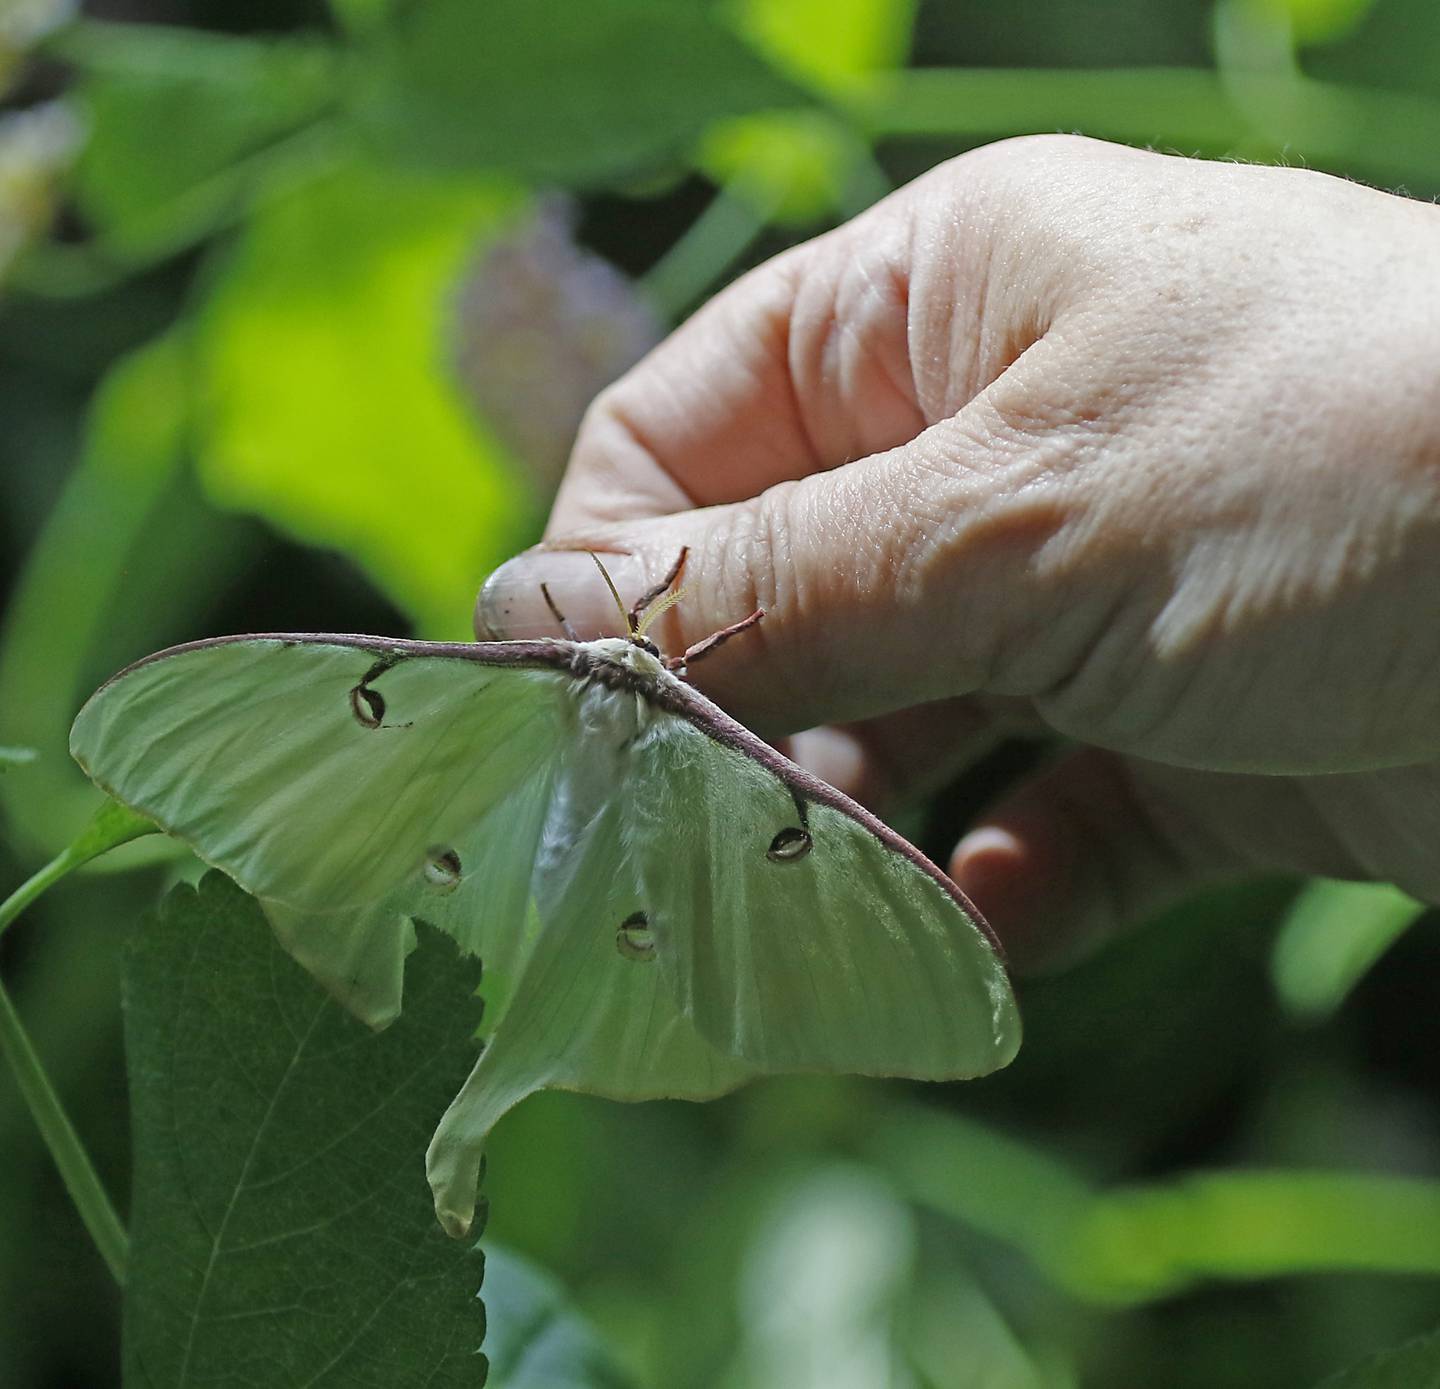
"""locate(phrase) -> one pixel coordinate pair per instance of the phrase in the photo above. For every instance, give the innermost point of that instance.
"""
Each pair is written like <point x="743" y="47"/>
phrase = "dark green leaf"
<point x="282" y="1230"/>
<point x="1415" y="1365"/>
<point x="569" y="90"/>
<point x="535" y="1339"/>
<point x="186" y="125"/>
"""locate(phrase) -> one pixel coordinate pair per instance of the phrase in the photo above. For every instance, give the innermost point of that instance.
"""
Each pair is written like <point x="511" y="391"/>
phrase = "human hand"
<point x="1141" y="450"/>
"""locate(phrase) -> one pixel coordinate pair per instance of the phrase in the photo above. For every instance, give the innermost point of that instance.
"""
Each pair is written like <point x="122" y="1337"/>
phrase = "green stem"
<point x="112" y="826"/>
<point x="715" y="241"/>
<point x="76" y="1170"/>
<point x="1192" y="109"/>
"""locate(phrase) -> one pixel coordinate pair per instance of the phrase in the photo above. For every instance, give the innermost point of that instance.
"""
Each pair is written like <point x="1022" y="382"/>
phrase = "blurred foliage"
<point x="221" y="108"/>
<point x="294" y="332"/>
<point x="340" y="288"/>
<point x="1331" y="935"/>
<point x="534" y="1339"/>
<point x="1412" y="1366"/>
<point x="35" y="146"/>
<point x="641" y="79"/>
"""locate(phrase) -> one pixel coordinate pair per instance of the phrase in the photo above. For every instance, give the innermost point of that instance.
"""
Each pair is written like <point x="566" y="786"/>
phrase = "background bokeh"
<point x="299" y="306"/>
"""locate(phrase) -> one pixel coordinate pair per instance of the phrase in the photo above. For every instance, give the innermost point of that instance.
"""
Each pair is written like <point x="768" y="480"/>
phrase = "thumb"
<point x="870" y="603"/>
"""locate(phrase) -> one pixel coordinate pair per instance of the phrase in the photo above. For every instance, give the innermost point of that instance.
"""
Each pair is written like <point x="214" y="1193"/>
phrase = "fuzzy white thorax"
<point x="624" y="652"/>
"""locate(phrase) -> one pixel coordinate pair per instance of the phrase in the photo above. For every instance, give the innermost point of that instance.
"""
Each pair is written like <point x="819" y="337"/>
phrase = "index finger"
<point x="799" y="366"/>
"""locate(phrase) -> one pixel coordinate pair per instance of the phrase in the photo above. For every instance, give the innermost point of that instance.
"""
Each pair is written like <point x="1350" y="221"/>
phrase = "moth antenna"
<point x="614" y="593"/>
<point x="558" y="615"/>
<point x="716" y="639"/>
<point x="664" y="605"/>
<point x="650" y="595"/>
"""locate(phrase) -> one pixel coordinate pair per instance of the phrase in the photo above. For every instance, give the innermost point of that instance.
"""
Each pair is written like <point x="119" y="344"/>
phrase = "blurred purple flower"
<point x="541" y="325"/>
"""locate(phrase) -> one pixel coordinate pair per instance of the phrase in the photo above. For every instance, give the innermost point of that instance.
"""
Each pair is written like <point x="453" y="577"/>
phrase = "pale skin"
<point x="1063" y="436"/>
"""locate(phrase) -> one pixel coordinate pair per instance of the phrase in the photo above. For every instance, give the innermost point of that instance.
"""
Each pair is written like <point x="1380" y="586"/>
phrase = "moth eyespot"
<point x="635" y="940"/>
<point x="442" y="869"/>
<point x="789" y="845"/>
<point x="368" y="706"/>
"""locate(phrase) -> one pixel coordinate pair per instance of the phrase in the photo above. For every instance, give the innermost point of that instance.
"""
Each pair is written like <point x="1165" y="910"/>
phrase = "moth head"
<point x="639" y="618"/>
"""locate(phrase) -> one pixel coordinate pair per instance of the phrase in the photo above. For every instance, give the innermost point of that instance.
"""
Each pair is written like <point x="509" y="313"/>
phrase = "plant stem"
<point x="76" y="1170"/>
<point x="1195" y="110"/>
<point x="58" y="867"/>
<point x="113" y="825"/>
<point x="693" y="265"/>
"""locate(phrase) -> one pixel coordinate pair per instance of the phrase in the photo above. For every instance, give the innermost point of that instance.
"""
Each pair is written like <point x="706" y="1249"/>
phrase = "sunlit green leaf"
<point x="282" y="1230"/>
<point x="1415" y="1365"/>
<point x="799" y="165"/>
<point x="185" y="126"/>
<point x="569" y="91"/>
<point x="831" y="43"/>
<point x="329" y="406"/>
<point x="1331" y="936"/>
<point x="795" y="166"/>
<point x="534" y="1338"/>
<point x="1321" y="21"/>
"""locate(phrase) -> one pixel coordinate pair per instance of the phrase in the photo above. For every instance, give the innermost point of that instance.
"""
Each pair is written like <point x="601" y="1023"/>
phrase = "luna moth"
<point x="663" y="904"/>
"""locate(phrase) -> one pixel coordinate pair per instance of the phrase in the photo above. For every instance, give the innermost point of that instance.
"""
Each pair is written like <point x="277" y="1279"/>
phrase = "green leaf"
<point x="282" y="1230"/>
<point x="830" y="43"/>
<point x="16" y="757"/>
<point x="793" y="166"/>
<point x="796" y="166"/>
<point x="362" y="18"/>
<point x="1415" y="1365"/>
<point x="1144" y="1241"/>
<point x="1331" y="936"/>
<point x="329" y="410"/>
<point x="61" y="607"/>
<point x="534" y="1338"/>
<point x="569" y="91"/>
<point x="1321" y="21"/>
<point x="186" y="126"/>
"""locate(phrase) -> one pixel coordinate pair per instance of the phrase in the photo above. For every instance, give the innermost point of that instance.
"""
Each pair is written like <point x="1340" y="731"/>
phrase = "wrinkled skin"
<point x="1141" y="450"/>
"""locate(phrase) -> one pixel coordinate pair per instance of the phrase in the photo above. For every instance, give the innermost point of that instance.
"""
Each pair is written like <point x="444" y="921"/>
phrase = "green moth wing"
<point x="800" y="933"/>
<point x="664" y="905"/>
<point x="320" y="774"/>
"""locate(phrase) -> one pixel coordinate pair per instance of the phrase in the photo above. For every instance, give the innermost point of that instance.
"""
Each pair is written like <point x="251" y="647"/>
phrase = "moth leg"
<point x="559" y="617"/>
<point x="650" y="595"/>
<point x="714" y="640"/>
